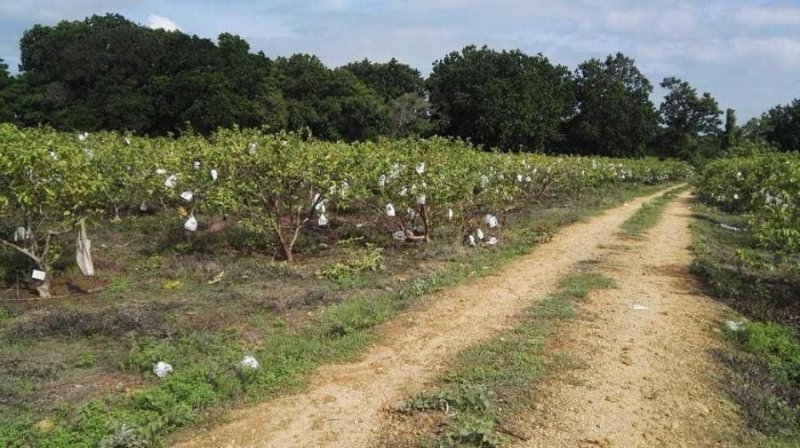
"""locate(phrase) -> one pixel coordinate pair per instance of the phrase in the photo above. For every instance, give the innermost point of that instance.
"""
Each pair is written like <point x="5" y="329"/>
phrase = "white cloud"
<point x="757" y="16"/>
<point x="156" y="21"/>
<point x="785" y="50"/>
<point x="626" y="20"/>
<point x="666" y="21"/>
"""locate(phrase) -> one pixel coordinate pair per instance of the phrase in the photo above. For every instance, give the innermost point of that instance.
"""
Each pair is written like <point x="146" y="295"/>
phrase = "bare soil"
<point x="344" y="403"/>
<point x="651" y="378"/>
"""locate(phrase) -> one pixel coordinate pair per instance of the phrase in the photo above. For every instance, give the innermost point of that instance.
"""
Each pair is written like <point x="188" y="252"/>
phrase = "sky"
<point x="745" y="53"/>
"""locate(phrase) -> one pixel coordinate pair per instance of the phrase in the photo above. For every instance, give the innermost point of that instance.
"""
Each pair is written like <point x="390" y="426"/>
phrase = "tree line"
<point x="107" y="72"/>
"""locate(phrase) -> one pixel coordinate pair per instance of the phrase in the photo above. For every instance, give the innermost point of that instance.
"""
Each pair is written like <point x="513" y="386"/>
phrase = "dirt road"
<point x="342" y="407"/>
<point x="650" y="377"/>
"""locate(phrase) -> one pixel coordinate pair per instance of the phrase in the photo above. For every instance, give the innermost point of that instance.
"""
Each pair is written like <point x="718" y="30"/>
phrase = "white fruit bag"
<point x="249" y="363"/>
<point x="83" y="251"/>
<point x="190" y="224"/>
<point x="162" y="369"/>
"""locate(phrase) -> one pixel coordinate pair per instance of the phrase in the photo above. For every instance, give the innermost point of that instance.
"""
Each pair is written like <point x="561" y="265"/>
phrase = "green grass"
<point x="205" y="330"/>
<point x="648" y="214"/>
<point x="490" y="384"/>
<point x="763" y="374"/>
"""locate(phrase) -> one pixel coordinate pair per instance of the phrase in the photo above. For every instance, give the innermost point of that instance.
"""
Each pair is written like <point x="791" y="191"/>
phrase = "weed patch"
<point x="491" y="383"/>
<point x="763" y="375"/>
<point x="648" y="214"/>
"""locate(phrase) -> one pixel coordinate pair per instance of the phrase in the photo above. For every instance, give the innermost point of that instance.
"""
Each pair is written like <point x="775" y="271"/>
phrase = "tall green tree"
<point x="615" y="116"/>
<point x="692" y="121"/>
<point x="91" y="74"/>
<point x="781" y="126"/>
<point x="333" y="104"/>
<point x="6" y="86"/>
<point x="390" y="80"/>
<point x="505" y="99"/>
<point x="732" y="134"/>
<point x="106" y="72"/>
<point x="402" y="88"/>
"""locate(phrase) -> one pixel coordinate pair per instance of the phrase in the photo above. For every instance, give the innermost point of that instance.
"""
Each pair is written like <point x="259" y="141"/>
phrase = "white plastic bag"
<point x="390" y="211"/>
<point x="323" y="220"/>
<point x="170" y="182"/>
<point x="471" y="241"/>
<point x="382" y="180"/>
<point x="420" y="168"/>
<point x="395" y="171"/>
<point x="38" y="275"/>
<point x="249" y="363"/>
<point x="143" y="207"/>
<point x="421" y="199"/>
<point x="162" y="369"/>
<point x="161" y="171"/>
<point x="83" y="136"/>
<point x="190" y="224"/>
<point x="251" y="148"/>
<point x="404" y="191"/>
<point x="22" y="234"/>
<point x="492" y="241"/>
<point x="491" y="221"/>
<point x="449" y="214"/>
<point x="187" y="196"/>
<point x="214" y="174"/>
<point x="733" y="325"/>
<point x="83" y="251"/>
<point x="196" y="165"/>
<point x="479" y="234"/>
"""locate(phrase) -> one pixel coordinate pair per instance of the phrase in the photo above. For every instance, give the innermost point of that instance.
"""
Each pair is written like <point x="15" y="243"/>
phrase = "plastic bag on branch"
<point x="83" y="251"/>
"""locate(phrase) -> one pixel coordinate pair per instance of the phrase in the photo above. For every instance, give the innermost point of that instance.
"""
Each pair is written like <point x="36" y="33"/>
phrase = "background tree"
<point x="402" y="88"/>
<point x="615" y="116"/>
<point x="107" y="72"/>
<point x="390" y="80"/>
<point x="6" y="86"/>
<point x="409" y="115"/>
<point x="692" y="122"/>
<point x="333" y="104"/>
<point x="781" y="126"/>
<point x="505" y="99"/>
<point x="732" y="134"/>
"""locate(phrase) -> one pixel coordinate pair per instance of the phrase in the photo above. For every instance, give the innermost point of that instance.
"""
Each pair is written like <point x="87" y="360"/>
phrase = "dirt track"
<point x="650" y="380"/>
<point x="343" y="403"/>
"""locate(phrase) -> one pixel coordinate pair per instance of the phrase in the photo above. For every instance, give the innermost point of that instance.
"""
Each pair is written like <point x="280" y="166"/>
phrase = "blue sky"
<point x="746" y="53"/>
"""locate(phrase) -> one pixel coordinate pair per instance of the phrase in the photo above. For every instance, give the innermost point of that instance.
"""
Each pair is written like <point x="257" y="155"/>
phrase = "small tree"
<point x="284" y="184"/>
<point x="46" y="188"/>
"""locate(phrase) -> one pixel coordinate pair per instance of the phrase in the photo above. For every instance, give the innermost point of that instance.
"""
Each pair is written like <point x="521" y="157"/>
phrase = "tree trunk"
<point x="44" y="288"/>
<point x="286" y="246"/>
